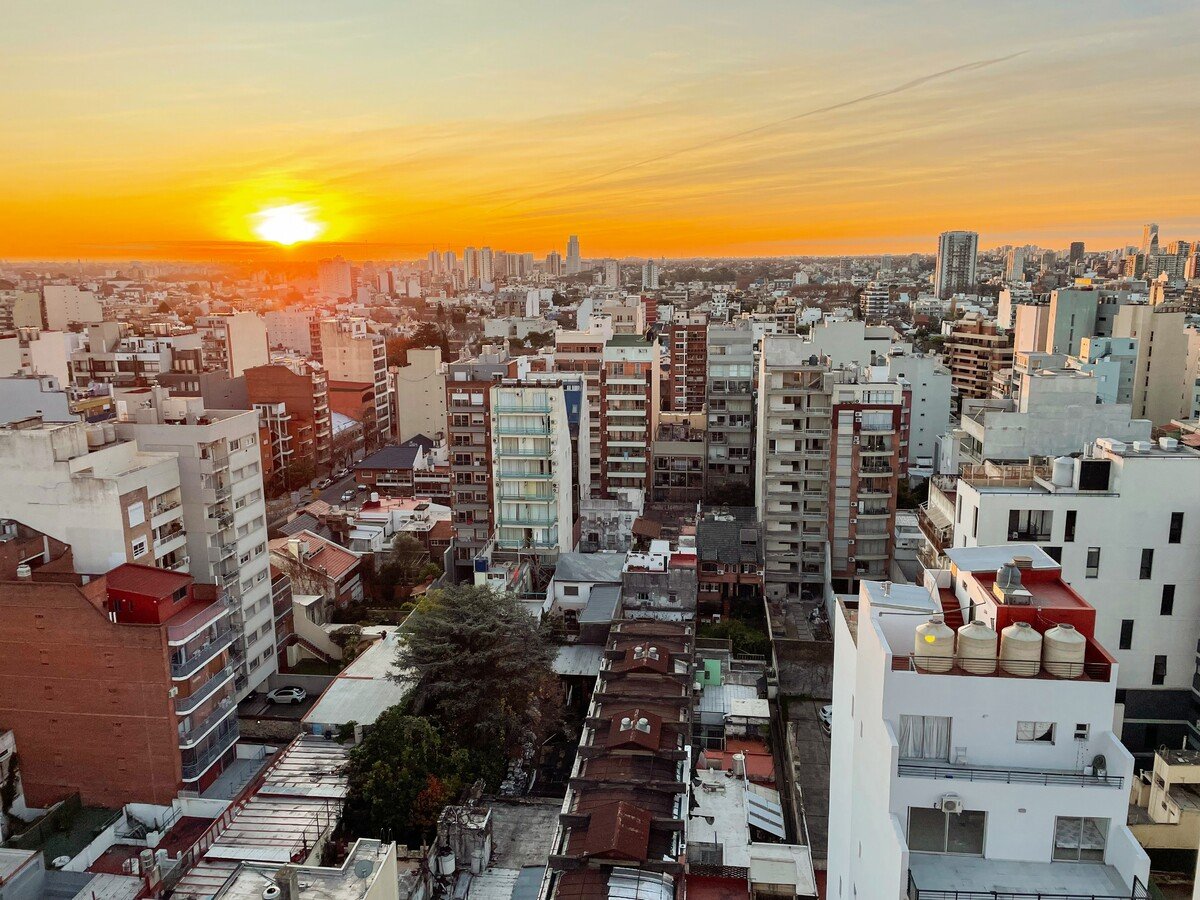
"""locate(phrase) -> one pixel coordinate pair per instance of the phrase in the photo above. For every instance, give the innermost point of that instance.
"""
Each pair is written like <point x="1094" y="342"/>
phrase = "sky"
<point x="658" y="128"/>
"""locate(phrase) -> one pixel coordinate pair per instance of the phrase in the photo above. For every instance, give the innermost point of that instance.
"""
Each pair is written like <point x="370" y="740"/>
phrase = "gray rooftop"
<point x="601" y="605"/>
<point x="728" y="540"/>
<point x="984" y="559"/>
<point x="590" y="567"/>
<point x="937" y="872"/>
<point x="363" y="690"/>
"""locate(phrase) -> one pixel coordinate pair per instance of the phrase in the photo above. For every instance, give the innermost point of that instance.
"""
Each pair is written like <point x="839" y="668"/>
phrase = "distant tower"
<point x="956" y="257"/>
<point x="435" y="263"/>
<point x="1076" y="252"/>
<point x="485" y="264"/>
<point x="612" y="273"/>
<point x="1150" y="238"/>
<point x="470" y="265"/>
<point x="574" y="261"/>
<point x="650" y="276"/>
<point x="554" y="263"/>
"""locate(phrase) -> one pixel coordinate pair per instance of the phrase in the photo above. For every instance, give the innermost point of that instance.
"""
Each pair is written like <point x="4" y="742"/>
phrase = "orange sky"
<point x="676" y="129"/>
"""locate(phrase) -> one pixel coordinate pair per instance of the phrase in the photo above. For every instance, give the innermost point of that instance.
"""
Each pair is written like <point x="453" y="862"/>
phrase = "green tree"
<point x="400" y="777"/>
<point x="483" y="669"/>
<point x="407" y="563"/>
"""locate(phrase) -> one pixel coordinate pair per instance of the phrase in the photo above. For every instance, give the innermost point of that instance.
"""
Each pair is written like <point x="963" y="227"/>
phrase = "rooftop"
<point x="364" y="689"/>
<point x="590" y="567"/>
<point x="402" y="456"/>
<point x="352" y="880"/>
<point x="332" y="559"/>
<point x="933" y="874"/>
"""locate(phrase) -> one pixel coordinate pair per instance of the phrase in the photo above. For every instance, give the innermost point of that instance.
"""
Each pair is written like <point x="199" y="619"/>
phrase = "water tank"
<point x="1142" y="446"/>
<point x="374" y="497"/>
<point x="95" y="435"/>
<point x="739" y="765"/>
<point x="933" y="649"/>
<point x="445" y="862"/>
<point x="1169" y="444"/>
<point x="1063" y="473"/>
<point x="110" y="432"/>
<point x="977" y="645"/>
<point x="1020" y="650"/>
<point x="1063" y="650"/>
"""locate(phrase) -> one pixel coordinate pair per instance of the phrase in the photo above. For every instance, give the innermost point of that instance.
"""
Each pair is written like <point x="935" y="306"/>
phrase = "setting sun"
<point x="287" y="225"/>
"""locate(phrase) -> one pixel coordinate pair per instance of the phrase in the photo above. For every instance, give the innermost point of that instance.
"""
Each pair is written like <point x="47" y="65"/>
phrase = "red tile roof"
<point x="146" y="580"/>
<point x="618" y="831"/>
<point x="635" y="729"/>
<point x="334" y="559"/>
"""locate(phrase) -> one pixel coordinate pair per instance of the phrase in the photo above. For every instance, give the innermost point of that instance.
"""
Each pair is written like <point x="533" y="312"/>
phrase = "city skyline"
<point x="675" y="131"/>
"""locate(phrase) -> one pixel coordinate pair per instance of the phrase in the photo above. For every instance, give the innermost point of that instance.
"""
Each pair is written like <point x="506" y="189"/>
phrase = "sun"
<point x="287" y="225"/>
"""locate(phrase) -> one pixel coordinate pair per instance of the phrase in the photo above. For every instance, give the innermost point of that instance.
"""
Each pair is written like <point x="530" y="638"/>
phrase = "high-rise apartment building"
<point x="470" y="265"/>
<point x="290" y="329"/>
<point x="532" y="480"/>
<point x="629" y="408"/>
<point x="486" y="265"/>
<point x="730" y="404"/>
<point x="975" y="351"/>
<point x="224" y="512"/>
<point x="650" y="276"/>
<point x="574" y="261"/>
<point x="1076" y="252"/>
<point x="1014" y="264"/>
<point x="1162" y="382"/>
<point x="981" y="760"/>
<point x="874" y="302"/>
<point x="927" y="381"/>
<point x="334" y="279"/>
<point x="554" y="263"/>
<point x="356" y="362"/>
<point x="687" y="354"/>
<point x="612" y="273"/>
<point x="65" y="305"/>
<point x="582" y="352"/>
<point x="420" y="392"/>
<point x="1149" y="239"/>
<point x="956" y="259"/>
<point x="233" y="343"/>
<point x="304" y="433"/>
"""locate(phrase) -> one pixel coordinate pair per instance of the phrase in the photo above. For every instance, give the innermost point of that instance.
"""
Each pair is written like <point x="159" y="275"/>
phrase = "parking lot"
<point x="257" y="707"/>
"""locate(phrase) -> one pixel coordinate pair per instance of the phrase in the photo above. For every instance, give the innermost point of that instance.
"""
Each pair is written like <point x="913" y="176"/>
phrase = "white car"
<point x="347" y="496"/>
<point x="825" y="714"/>
<point x="287" y="695"/>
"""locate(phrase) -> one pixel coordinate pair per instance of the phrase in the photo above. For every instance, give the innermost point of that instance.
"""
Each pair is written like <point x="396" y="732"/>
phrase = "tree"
<point x="400" y="777"/>
<point x="483" y="670"/>
<point x="406" y="564"/>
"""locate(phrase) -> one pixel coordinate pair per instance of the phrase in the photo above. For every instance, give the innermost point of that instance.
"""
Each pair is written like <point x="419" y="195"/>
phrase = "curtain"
<point x="912" y="734"/>
<point x="924" y="737"/>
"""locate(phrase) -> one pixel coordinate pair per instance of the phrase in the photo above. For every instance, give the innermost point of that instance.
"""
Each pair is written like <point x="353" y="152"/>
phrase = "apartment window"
<point x="924" y="737"/>
<point x="1147" y="564"/>
<point x="1069" y="528"/>
<point x="1079" y="839"/>
<point x="1160" y="670"/>
<point x="1175" y="535"/>
<point x="139" y="548"/>
<point x="1055" y="553"/>
<point x="1167" y="607"/>
<point x="975" y="523"/>
<point x="1092" y="566"/>
<point x="934" y="831"/>
<point x="1029" y="524"/>
<point x="1126" y="641"/>
<point x="1035" y="732"/>
<point x="570" y="590"/>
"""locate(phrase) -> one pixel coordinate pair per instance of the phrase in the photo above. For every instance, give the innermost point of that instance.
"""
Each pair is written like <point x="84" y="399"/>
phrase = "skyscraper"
<point x="574" y="262"/>
<point x="485" y="264"/>
<point x="1150" y="238"/>
<point x="554" y="263"/>
<point x="956" y="256"/>
<point x="470" y="265"/>
<point x="435" y="263"/>
<point x="1014" y="268"/>
<point x="449" y="262"/>
<point x="1076" y="251"/>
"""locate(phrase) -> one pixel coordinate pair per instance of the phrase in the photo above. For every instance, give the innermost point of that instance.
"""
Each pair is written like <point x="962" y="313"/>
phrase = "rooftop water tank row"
<point x="1019" y="650"/>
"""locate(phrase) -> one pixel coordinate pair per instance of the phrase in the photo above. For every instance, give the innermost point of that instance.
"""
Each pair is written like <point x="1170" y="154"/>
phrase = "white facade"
<point x="334" y="278"/>
<point x="420" y="392"/>
<point x="928" y="381"/>
<point x="66" y="305"/>
<point x="290" y="329"/>
<point x="905" y="742"/>
<point x="233" y="343"/>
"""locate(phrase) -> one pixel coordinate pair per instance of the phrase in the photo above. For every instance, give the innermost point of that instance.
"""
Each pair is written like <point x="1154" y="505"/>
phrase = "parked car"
<point x="324" y="483"/>
<point x="287" y="695"/>
<point x="826" y="716"/>
<point x="341" y="473"/>
<point x="363" y="487"/>
<point x="347" y="496"/>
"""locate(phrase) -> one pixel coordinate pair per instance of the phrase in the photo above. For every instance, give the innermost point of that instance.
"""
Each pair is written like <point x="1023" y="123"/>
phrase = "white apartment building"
<point x="627" y="314"/>
<point x="335" y="279"/>
<point x="630" y="388"/>
<point x="531" y="468"/>
<point x="233" y="343"/>
<point x="1162" y="382"/>
<point x="350" y="353"/>
<point x="851" y="342"/>
<point x="65" y="305"/>
<point x="82" y="484"/>
<point x="1124" y="520"/>
<point x="224" y="512"/>
<point x="420" y="392"/>
<point x="957" y="775"/>
<point x="927" y="381"/>
<point x="290" y="329"/>
<point x="582" y="352"/>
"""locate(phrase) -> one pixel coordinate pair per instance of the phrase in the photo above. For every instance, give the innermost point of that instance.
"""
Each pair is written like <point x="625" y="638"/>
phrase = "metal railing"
<point x="225" y="738"/>
<point x="523" y="409"/>
<point x="1138" y="892"/>
<point x="185" y="705"/>
<point x="192" y="735"/>
<point x="928" y="664"/>
<point x="203" y="654"/>
<point x="1006" y="776"/>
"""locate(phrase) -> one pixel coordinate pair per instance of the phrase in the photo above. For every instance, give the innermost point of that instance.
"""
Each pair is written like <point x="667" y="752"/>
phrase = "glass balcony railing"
<point x="194" y="733"/>
<point x="218" y="743"/>
<point x="185" y="705"/>
<point x="204" y="654"/>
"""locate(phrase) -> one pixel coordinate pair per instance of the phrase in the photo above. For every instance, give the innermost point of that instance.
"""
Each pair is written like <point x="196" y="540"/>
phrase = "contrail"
<point x="865" y="98"/>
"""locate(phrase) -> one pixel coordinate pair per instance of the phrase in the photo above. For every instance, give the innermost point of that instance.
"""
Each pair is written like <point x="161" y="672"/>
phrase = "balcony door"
<point x="924" y="737"/>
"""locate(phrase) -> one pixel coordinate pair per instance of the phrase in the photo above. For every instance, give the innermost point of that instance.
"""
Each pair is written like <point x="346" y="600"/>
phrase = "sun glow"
<point x="287" y="225"/>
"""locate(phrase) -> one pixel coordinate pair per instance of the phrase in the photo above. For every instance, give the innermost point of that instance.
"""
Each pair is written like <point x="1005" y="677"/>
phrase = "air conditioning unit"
<point x="950" y="803"/>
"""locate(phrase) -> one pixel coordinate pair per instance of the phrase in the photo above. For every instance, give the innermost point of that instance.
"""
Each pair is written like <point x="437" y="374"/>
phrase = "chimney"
<point x="288" y="883"/>
<point x="1023" y="562"/>
<point x="24" y="573"/>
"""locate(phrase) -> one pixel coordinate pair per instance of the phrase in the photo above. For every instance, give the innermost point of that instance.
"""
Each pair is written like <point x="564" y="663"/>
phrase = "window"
<point x="1160" y="670"/>
<point x="924" y="737"/>
<point x="570" y="590"/>
<point x="1035" y="732"/>
<point x="1167" y="607"/>
<point x="1055" y="553"/>
<point x="975" y="522"/>
<point x="1175" y="535"/>
<point x="1147" y="564"/>
<point x="1029" y="524"/>
<point x="137" y="515"/>
<point x="1080" y="840"/>
<point x="1126" y="634"/>
<point x="1092" y="566"/>
<point x="1069" y="528"/>
<point x="934" y="831"/>
<point x="139" y="548"/>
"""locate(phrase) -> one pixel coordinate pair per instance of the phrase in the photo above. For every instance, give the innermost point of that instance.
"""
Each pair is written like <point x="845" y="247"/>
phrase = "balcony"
<point x="179" y="633"/>
<point x="939" y="770"/>
<point x="875" y="471"/>
<point x="938" y="876"/>
<point x="530" y="409"/>
<point x="193" y="734"/>
<point x="185" y="705"/>
<point x="224" y="738"/>
<point x="199" y="657"/>
<point x="527" y="430"/>
<point x="514" y="453"/>
<point x="525" y="521"/>
<point x="527" y="496"/>
<point x="527" y="476"/>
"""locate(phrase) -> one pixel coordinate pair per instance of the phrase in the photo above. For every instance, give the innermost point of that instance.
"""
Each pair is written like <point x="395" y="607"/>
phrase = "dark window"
<point x="1092" y="567"/>
<point x="1029" y="524"/>
<point x="975" y="523"/>
<point x="1168" y="600"/>
<point x="1069" y="529"/>
<point x="1176" y="533"/>
<point x="1147" y="564"/>
<point x="1126" y="634"/>
<point x="1055" y="553"/>
<point x="1160" y="670"/>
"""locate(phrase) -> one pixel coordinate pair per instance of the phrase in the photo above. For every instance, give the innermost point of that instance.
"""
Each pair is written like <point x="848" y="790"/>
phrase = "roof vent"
<point x="643" y="725"/>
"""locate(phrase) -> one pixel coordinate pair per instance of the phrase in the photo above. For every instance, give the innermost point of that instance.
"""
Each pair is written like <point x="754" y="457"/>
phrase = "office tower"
<point x="83" y="652"/>
<point x="554" y="263"/>
<point x="356" y="363"/>
<point x="650" y="276"/>
<point x="334" y="280"/>
<point x="224" y="509"/>
<point x="449" y="263"/>
<point x="435" y="262"/>
<point x="420" y="391"/>
<point x="629" y="409"/>
<point x="574" y="261"/>
<point x="1014" y="266"/>
<point x="233" y="343"/>
<point x="952" y="769"/>
<point x="303" y="434"/>
<point x="687" y="355"/>
<point x="531" y="468"/>
<point x="975" y="351"/>
<point x="730" y="402"/>
<point x="956" y="258"/>
<point x="1149" y="239"/>
<point x="470" y="265"/>
<point x="1076" y="252"/>
<point x="486" y="265"/>
<point x="1123" y="520"/>
<point x="612" y="273"/>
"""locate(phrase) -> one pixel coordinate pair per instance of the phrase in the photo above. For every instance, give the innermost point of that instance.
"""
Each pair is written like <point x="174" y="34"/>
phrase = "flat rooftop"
<point x="350" y="881"/>
<point x="937" y="873"/>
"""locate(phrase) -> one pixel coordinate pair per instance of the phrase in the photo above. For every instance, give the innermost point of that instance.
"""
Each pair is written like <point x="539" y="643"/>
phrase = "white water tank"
<point x="1063" y="649"/>
<point x="1063" y="473"/>
<point x="1020" y="650"/>
<point x="374" y="497"/>
<point x="110" y="432"/>
<point x="95" y="435"/>
<point x="1169" y="444"/>
<point x="977" y="646"/>
<point x="446" y="862"/>
<point x="1142" y="446"/>
<point x="933" y="648"/>
<point x="739" y="765"/>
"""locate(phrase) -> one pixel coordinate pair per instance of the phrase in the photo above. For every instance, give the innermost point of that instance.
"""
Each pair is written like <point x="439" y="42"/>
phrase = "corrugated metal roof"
<point x="590" y="567"/>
